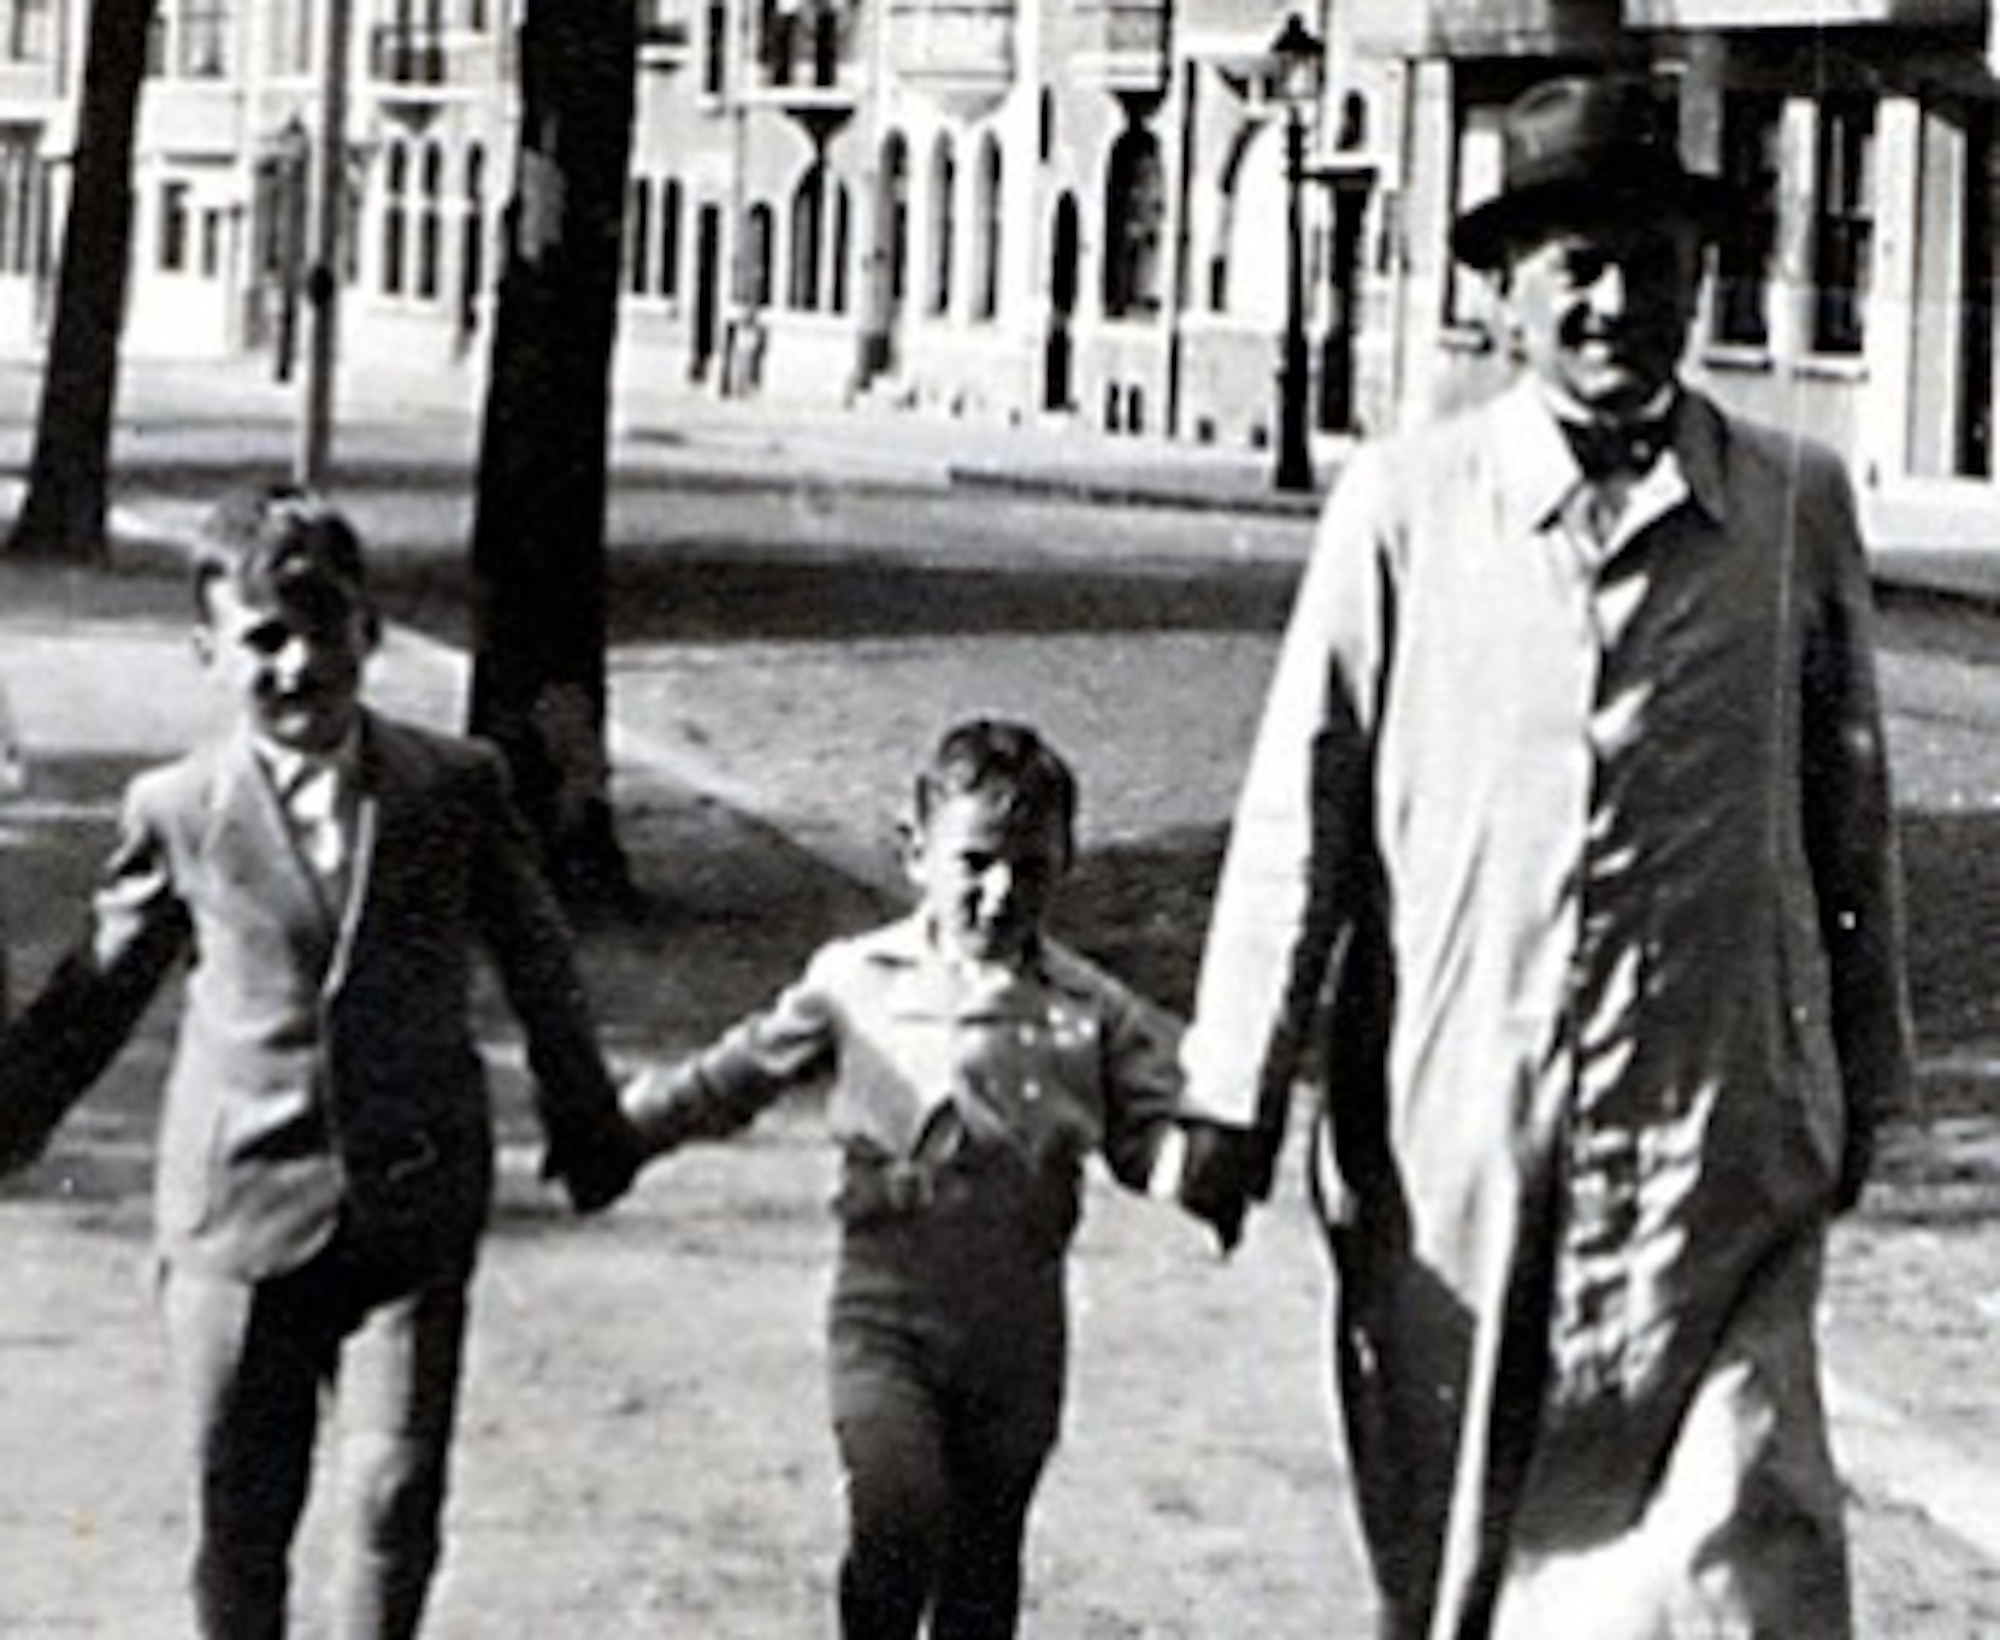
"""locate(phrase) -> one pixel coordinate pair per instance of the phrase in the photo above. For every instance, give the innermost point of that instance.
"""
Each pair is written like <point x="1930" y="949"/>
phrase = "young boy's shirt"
<point x="942" y="1074"/>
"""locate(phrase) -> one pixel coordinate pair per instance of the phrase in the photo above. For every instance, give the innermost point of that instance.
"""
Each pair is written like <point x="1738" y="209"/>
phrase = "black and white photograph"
<point x="952" y="819"/>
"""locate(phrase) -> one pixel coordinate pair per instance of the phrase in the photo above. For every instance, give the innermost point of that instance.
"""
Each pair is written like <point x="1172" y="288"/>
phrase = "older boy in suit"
<point x="325" y="1160"/>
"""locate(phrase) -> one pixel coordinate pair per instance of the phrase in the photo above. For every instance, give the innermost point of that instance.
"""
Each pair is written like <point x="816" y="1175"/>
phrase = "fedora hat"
<point x="1586" y="146"/>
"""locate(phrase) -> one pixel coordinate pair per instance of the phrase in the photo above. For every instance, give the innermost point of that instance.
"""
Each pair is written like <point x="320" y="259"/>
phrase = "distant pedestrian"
<point x="974" y="1068"/>
<point x="1572" y="779"/>
<point x="325" y="1160"/>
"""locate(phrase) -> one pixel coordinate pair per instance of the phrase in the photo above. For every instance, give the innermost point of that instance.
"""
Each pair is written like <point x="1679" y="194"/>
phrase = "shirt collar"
<point x="912" y="943"/>
<point x="1537" y="472"/>
<point x="291" y="768"/>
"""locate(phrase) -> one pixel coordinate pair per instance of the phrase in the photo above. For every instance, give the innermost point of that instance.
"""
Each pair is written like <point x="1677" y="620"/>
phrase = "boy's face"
<point x="291" y="661"/>
<point x="986" y="876"/>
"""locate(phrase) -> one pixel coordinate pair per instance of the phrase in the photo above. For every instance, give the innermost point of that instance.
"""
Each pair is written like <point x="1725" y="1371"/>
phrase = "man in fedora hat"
<point x="1571" y="783"/>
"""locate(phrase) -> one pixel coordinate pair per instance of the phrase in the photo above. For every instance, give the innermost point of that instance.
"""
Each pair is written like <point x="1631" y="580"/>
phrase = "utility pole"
<point x="325" y="252"/>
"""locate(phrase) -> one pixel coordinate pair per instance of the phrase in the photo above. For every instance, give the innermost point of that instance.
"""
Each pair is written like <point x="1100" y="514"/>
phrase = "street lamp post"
<point x="1295" y="62"/>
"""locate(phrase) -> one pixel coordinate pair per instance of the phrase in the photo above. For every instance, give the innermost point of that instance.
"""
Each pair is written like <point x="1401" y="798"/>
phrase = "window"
<point x="211" y="243"/>
<point x="944" y="175"/>
<point x="667" y="265"/>
<point x="430" y="223"/>
<point x="839" y="301"/>
<point x="1743" y="256"/>
<point x="754" y="265"/>
<point x="1843" y="223"/>
<point x="638" y="234"/>
<point x="395" y="201"/>
<point x="808" y="237"/>
<point x="825" y="43"/>
<point x="202" y="45"/>
<point x="289" y="39"/>
<point x="715" y="48"/>
<point x="1134" y="209"/>
<point x="895" y="218"/>
<point x="27" y="31"/>
<point x="19" y="199"/>
<point x="174" y="227"/>
<point x="472" y="241"/>
<point x="987" y="220"/>
<point x="777" y="27"/>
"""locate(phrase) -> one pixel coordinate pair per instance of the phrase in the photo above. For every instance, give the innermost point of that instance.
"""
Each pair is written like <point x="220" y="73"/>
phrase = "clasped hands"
<point x="1223" y="1171"/>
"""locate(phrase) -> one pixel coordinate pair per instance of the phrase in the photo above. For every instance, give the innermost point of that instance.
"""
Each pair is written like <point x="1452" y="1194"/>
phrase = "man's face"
<point x="291" y="665"/>
<point x="1602" y="308"/>
<point x="986" y="876"/>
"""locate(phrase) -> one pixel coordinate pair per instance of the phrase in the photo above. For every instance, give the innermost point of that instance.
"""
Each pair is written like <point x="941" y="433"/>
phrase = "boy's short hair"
<point x="1007" y="763"/>
<point x="283" y="543"/>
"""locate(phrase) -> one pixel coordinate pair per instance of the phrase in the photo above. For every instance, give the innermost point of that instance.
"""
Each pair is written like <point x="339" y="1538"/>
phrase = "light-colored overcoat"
<point x="1604" y="833"/>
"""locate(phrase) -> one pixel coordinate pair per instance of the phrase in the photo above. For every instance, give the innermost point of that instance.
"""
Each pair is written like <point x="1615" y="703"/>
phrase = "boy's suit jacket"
<point x="325" y="1065"/>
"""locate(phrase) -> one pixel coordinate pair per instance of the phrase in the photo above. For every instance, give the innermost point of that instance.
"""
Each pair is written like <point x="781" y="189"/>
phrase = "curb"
<point x="1133" y="492"/>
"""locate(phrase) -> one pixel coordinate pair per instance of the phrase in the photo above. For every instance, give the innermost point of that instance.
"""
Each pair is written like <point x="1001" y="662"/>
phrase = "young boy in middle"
<point x="975" y="1067"/>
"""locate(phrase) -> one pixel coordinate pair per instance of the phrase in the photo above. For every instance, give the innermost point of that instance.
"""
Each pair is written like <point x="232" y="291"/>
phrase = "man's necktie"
<point x="1609" y="449"/>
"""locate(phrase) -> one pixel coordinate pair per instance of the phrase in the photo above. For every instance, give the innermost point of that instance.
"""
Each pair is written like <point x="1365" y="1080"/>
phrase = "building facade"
<point x="1856" y="296"/>
<point x="1009" y="210"/>
<point x="1000" y="209"/>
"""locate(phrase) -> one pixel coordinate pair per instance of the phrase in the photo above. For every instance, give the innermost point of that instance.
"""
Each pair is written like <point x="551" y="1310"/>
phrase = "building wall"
<point x="1080" y="107"/>
<point x="1864" y="321"/>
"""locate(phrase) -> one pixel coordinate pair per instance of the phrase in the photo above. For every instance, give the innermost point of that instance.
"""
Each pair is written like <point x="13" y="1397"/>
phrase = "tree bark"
<point x="538" y="544"/>
<point x="63" y="514"/>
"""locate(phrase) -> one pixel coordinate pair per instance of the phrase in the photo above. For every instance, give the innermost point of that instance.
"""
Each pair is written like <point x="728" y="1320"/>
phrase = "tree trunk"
<point x="538" y="542"/>
<point x="69" y="476"/>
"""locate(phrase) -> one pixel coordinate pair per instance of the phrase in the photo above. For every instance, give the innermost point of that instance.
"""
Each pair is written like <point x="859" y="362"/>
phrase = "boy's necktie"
<point x="312" y="801"/>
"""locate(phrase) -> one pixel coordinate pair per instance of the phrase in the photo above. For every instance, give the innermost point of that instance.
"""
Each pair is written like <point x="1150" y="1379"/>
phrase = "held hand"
<point x="596" y="1176"/>
<point x="1223" y="1171"/>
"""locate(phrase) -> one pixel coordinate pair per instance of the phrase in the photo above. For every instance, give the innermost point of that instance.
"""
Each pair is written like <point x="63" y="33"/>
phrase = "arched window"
<point x="1134" y="210"/>
<point x="430" y="223"/>
<point x="986" y="222"/>
<point x="942" y="224"/>
<point x="395" y="201"/>
<point x="808" y="237"/>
